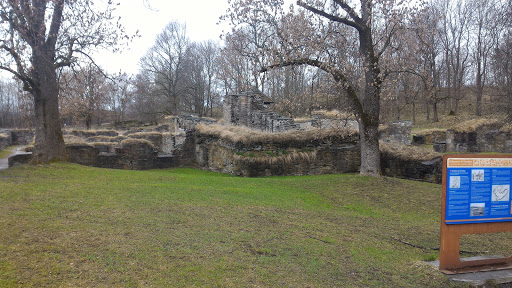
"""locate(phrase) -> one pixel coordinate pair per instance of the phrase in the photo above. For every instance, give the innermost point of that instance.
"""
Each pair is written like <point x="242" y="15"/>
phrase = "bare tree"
<point x="121" y="92"/>
<point x="456" y="40"/>
<point x="320" y="35"/>
<point x="209" y="51"/>
<point x="83" y="95"/>
<point x="39" y="37"/>
<point x="164" y="64"/>
<point x="487" y="28"/>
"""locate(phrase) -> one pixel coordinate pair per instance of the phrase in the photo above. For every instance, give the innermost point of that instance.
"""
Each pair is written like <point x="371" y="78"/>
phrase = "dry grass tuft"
<point x="3" y="135"/>
<point x="334" y="114"/>
<point x="290" y="157"/>
<point x="69" y="139"/>
<point x="408" y="152"/>
<point x="140" y="135"/>
<point x="130" y="142"/>
<point x="302" y="119"/>
<point x="78" y="144"/>
<point x="475" y="124"/>
<point x="103" y="143"/>
<point x="430" y="131"/>
<point x="102" y="138"/>
<point x="507" y="128"/>
<point x="239" y="134"/>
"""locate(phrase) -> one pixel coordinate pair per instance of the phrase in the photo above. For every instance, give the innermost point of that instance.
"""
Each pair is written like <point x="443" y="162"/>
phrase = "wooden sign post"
<point x="476" y="200"/>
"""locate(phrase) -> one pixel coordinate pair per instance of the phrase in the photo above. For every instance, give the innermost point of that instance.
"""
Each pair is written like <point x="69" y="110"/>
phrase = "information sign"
<point x="478" y="190"/>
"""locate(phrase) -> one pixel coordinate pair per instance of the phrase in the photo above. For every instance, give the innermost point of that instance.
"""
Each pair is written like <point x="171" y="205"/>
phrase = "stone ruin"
<point x="397" y="132"/>
<point x="252" y="109"/>
<point x="178" y="143"/>
<point x="488" y="136"/>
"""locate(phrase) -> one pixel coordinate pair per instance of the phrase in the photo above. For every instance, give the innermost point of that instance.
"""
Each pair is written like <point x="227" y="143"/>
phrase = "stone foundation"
<point x="421" y="170"/>
<point x="485" y="139"/>
<point x="5" y="139"/>
<point x="331" y="154"/>
<point x="298" y="153"/>
<point x="397" y="132"/>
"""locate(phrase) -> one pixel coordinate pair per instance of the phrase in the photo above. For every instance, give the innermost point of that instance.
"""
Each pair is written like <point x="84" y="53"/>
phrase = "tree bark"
<point x="369" y="123"/>
<point x="436" y="115"/>
<point x="370" y="153"/>
<point x="479" y="89"/>
<point x="49" y="142"/>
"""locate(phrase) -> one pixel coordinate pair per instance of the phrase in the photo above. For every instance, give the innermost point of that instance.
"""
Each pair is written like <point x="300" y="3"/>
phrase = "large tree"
<point x="39" y="37"/>
<point x="327" y="35"/>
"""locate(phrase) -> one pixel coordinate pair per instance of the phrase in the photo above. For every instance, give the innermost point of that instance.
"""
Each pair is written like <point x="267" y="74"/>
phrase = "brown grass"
<point x="145" y="134"/>
<point x="104" y="143"/>
<point x="408" y="152"/>
<point x="239" y="134"/>
<point x="77" y="144"/>
<point x="334" y="114"/>
<point x="102" y="138"/>
<point x="302" y="119"/>
<point x="293" y="156"/>
<point x="430" y="131"/>
<point x="507" y="128"/>
<point x="3" y="135"/>
<point x="130" y="141"/>
<point x="473" y="125"/>
<point x="73" y="139"/>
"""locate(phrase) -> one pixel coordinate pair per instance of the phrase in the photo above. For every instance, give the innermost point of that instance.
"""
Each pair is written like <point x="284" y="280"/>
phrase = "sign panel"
<point x="478" y="190"/>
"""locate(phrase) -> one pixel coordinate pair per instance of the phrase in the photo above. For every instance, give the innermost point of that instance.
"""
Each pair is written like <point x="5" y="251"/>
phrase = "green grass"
<point x="69" y="225"/>
<point x="8" y="151"/>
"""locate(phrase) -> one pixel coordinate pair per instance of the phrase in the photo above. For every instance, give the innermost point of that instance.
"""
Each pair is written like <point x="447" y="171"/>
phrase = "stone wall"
<point x="82" y="153"/>
<point x="22" y="136"/>
<point x="332" y="154"/>
<point x="10" y="137"/>
<point x="484" y="139"/>
<point x="252" y="109"/>
<point x="397" y="132"/>
<point x="5" y="139"/>
<point x="298" y="153"/>
<point x="320" y="122"/>
<point x="414" y="169"/>
<point x="172" y="142"/>
<point x="271" y="122"/>
<point x="431" y="137"/>
<point x="188" y="122"/>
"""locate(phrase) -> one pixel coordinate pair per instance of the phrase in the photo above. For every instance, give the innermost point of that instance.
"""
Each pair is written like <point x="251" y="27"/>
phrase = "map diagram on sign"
<point x="477" y="175"/>
<point x="454" y="181"/>
<point x="500" y="193"/>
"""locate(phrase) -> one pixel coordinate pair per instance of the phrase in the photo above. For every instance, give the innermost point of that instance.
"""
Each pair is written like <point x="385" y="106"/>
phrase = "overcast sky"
<point x="200" y="16"/>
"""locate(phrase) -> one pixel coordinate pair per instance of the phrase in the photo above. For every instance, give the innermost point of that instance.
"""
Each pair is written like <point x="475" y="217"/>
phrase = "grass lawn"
<point x="70" y="225"/>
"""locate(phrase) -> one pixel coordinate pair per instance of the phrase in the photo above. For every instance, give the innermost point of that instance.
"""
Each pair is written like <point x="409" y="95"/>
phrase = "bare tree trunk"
<point x="49" y="142"/>
<point x="370" y="153"/>
<point x="413" y="113"/>
<point x="427" y="108"/>
<point x="436" y="116"/>
<point x="369" y="123"/>
<point x="479" y="89"/>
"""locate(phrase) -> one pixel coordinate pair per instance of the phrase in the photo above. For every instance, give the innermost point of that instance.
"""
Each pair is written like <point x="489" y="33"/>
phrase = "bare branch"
<point x="338" y="75"/>
<point x="331" y="17"/>
<point x="349" y="10"/>
<point x="56" y="23"/>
